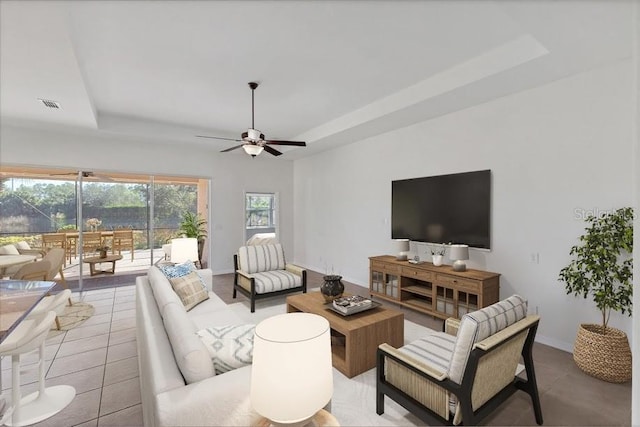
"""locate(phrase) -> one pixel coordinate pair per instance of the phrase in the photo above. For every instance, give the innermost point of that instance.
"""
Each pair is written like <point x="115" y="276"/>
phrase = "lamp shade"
<point x="458" y="252"/>
<point x="401" y="247"/>
<point x="254" y="150"/>
<point x="291" y="373"/>
<point x="184" y="249"/>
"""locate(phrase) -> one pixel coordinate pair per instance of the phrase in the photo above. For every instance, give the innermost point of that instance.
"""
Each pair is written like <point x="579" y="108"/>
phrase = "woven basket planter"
<point x="606" y="357"/>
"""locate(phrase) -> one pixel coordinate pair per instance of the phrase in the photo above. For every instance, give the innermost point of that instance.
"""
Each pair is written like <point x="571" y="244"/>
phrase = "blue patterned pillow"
<point x="178" y="270"/>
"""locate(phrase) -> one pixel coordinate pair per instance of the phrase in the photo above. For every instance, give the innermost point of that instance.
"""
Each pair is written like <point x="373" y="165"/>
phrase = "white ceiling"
<point x="331" y="72"/>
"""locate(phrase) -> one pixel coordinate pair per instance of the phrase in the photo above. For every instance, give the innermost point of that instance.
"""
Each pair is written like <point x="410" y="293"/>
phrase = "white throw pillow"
<point x="23" y="246"/>
<point x="230" y="347"/>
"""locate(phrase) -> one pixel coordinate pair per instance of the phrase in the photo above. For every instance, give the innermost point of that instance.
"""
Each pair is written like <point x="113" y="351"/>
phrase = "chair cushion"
<point x="259" y="258"/>
<point x="23" y="246"/>
<point x="434" y="350"/>
<point x="190" y="353"/>
<point x="277" y="280"/>
<point x="12" y="250"/>
<point x="230" y="347"/>
<point x="480" y="324"/>
<point x="190" y="289"/>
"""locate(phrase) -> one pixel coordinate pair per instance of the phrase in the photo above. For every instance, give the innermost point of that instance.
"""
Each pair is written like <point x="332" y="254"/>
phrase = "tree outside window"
<point x="260" y="210"/>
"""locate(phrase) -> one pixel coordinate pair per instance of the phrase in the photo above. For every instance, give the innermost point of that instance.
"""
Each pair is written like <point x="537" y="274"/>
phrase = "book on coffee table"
<point x="352" y="304"/>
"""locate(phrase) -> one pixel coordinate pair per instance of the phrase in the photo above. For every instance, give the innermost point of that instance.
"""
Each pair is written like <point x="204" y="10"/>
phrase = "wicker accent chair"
<point x="464" y="373"/>
<point x="261" y="272"/>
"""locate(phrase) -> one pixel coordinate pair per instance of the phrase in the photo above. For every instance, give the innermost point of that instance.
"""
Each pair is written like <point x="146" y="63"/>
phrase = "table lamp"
<point x="459" y="253"/>
<point x="401" y="248"/>
<point x="291" y="374"/>
<point x="184" y="249"/>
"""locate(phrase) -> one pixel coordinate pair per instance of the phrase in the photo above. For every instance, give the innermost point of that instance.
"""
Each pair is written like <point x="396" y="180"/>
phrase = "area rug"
<point x="354" y="400"/>
<point x="71" y="317"/>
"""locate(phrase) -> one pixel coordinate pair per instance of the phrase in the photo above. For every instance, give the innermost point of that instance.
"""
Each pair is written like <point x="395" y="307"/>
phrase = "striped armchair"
<point x="261" y="272"/>
<point x="467" y="371"/>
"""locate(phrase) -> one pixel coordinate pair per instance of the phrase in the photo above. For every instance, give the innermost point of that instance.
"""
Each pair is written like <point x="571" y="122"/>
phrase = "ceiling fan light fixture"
<point x="253" y="150"/>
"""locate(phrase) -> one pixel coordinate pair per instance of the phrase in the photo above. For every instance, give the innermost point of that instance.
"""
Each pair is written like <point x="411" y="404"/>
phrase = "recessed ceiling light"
<point x="49" y="103"/>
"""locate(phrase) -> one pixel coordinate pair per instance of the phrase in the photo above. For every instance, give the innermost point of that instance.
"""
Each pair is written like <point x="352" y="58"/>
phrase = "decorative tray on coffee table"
<point x="347" y="306"/>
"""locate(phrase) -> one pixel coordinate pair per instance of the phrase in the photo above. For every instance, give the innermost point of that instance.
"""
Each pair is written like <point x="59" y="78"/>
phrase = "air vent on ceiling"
<point x="49" y="103"/>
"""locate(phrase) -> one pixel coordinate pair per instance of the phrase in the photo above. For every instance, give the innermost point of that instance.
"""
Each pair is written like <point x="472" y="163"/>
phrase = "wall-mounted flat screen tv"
<point x="453" y="208"/>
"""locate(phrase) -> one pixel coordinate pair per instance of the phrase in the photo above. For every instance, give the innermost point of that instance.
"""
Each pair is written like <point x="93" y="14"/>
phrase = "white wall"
<point x="231" y="175"/>
<point x="552" y="150"/>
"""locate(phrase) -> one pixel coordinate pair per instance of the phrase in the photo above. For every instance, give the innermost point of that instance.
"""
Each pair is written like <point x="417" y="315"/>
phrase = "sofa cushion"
<point x="480" y="324"/>
<point x="230" y="347"/>
<point x="276" y="280"/>
<point x="190" y="353"/>
<point x="190" y="290"/>
<point x="256" y="259"/>
<point x="162" y="290"/>
<point x="9" y="250"/>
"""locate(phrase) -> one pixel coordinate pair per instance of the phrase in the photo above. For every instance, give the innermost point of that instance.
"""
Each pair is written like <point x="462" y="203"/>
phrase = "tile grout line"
<point x="106" y="357"/>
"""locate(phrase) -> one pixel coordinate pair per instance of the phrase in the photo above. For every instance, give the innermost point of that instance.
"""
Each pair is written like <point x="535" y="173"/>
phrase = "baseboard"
<point x="555" y="343"/>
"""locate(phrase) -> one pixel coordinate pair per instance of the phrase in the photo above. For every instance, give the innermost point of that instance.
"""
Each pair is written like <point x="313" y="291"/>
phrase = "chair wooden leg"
<point x="57" y="323"/>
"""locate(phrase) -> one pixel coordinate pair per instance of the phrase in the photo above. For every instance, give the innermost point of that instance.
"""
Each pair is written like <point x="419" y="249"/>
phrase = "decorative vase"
<point x="437" y="260"/>
<point x="332" y="288"/>
<point x="103" y="254"/>
<point x="606" y="357"/>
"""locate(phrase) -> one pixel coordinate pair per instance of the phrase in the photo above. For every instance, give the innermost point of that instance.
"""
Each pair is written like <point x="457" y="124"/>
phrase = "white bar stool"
<point x="29" y="335"/>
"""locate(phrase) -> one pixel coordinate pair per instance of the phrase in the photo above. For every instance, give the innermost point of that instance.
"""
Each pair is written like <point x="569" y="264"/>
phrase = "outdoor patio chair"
<point x="91" y="240"/>
<point x="123" y="239"/>
<point x="38" y="270"/>
<point x="55" y="240"/>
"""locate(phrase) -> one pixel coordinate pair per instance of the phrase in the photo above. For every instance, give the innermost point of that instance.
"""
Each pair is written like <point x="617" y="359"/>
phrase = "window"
<point x="260" y="211"/>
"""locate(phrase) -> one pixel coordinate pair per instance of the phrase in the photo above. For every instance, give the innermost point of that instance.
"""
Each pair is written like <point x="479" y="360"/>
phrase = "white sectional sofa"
<point x="177" y="386"/>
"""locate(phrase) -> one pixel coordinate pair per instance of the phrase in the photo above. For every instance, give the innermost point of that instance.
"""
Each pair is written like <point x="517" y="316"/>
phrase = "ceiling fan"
<point x="253" y="141"/>
<point x="85" y="174"/>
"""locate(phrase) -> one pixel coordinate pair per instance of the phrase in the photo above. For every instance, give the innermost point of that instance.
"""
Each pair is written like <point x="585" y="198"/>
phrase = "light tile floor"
<point x="98" y="358"/>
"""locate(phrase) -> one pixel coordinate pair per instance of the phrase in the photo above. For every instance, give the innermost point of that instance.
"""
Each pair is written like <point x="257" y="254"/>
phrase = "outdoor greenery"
<point x="603" y="265"/>
<point x="41" y="206"/>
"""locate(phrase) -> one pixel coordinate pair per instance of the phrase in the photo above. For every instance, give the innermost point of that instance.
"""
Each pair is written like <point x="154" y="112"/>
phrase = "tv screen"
<point x="452" y="208"/>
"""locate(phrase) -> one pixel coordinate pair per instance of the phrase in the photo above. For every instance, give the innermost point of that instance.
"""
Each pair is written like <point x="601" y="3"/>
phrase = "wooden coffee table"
<point x="354" y="338"/>
<point x="92" y="261"/>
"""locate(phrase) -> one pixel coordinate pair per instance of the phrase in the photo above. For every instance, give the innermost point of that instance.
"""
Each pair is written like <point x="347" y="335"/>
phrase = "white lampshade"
<point x="184" y="249"/>
<point x="459" y="253"/>
<point x="291" y="374"/>
<point x="401" y="247"/>
<point x="254" y="150"/>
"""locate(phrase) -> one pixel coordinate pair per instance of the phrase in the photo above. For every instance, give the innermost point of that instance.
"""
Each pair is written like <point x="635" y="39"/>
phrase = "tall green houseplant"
<point x="602" y="268"/>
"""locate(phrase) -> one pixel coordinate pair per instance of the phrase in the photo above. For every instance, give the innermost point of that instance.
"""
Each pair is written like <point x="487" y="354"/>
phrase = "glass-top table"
<point x="17" y="299"/>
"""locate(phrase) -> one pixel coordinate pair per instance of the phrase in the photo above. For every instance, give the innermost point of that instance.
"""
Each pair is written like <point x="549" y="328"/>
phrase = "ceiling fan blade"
<point x="271" y="150"/>
<point x="296" y="143"/>
<point x="218" y="137"/>
<point x="232" y="148"/>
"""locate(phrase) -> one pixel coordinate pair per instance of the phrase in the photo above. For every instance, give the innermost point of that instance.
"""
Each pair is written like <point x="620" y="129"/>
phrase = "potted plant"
<point x="437" y="253"/>
<point x="602" y="268"/>
<point x="194" y="226"/>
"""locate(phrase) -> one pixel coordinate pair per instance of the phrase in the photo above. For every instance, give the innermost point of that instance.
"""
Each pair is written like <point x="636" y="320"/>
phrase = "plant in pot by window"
<point x="194" y="226"/>
<point x="602" y="268"/>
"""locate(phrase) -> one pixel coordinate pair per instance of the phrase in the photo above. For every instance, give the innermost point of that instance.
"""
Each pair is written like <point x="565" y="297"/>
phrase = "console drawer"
<point x="427" y="276"/>
<point x="384" y="267"/>
<point x="457" y="282"/>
